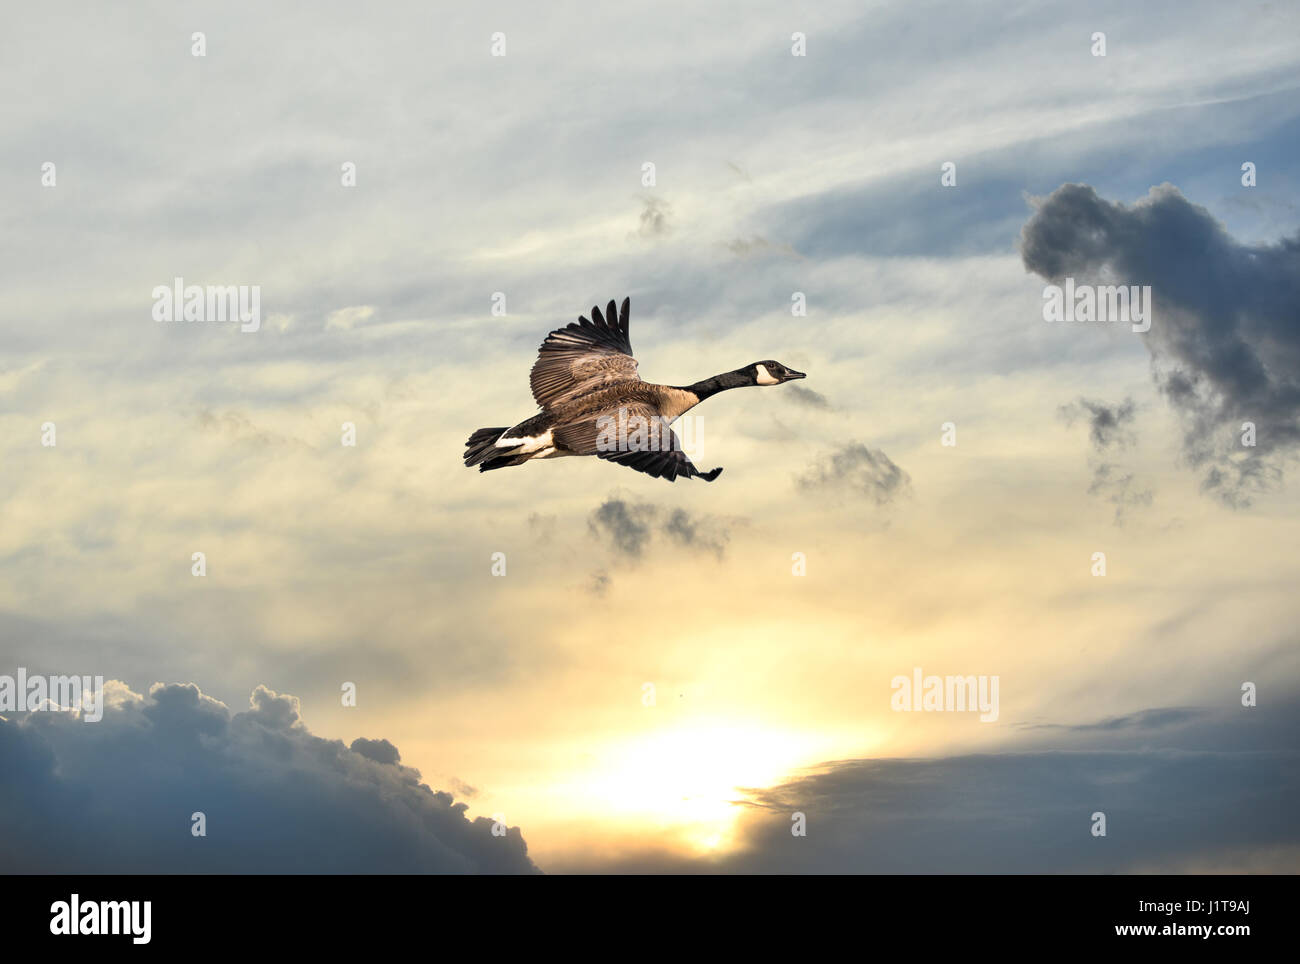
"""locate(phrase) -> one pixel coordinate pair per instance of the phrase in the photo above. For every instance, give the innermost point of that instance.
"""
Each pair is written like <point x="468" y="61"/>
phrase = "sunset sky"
<point x="523" y="696"/>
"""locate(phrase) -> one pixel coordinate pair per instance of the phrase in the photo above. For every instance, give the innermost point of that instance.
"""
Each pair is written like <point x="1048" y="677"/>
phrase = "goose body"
<point x="593" y="402"/>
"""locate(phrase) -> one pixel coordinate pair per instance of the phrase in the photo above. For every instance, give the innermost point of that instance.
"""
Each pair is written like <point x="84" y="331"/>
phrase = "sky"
<point x="667" y="677"/>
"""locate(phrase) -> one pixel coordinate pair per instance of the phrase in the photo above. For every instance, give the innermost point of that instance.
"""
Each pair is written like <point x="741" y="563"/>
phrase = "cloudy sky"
<point x="520" y="700"/>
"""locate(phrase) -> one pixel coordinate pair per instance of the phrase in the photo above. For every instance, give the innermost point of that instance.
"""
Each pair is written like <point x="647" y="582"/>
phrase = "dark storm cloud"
<point x="117" y="796"/>
<point x="1225" y="334"/>
<point x="860" y="470"/>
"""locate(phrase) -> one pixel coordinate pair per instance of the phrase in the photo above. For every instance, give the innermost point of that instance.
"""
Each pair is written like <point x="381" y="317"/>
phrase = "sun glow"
<point x="689" y="781"/>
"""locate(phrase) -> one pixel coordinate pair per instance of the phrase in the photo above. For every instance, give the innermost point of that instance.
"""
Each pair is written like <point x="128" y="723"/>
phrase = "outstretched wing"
<point x="662" y="465"/>
<point x="584" y="356"/>
<point x="636" y="437"/>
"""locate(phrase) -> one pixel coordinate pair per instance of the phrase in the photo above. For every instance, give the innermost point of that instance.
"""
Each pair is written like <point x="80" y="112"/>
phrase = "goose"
<point x="593" y="402"/>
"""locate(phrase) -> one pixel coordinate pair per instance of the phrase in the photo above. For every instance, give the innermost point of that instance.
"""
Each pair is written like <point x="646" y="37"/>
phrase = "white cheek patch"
<point x="765" y="377"/>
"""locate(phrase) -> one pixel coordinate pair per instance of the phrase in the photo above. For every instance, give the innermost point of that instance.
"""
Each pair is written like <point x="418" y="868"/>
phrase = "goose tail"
<point x="482" y="445"/>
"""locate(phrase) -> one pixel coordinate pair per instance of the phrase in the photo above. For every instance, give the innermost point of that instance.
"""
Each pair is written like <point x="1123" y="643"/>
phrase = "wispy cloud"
<point x="858" y="470"/>
<point x="1110" y="427"/>
<point x="806" y="397"/>
<point x="1107" y="424"/>
<point x="656" y="218"/>
<point x="629" y="526"/>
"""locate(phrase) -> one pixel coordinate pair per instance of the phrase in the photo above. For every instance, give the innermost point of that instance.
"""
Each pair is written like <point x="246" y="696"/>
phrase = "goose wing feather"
<point x="662" y="465"/>
<point x="583" y="357"/>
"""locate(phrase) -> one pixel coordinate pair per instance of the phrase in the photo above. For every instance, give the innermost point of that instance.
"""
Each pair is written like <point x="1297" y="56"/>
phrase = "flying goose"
<point x="593" y="402"/>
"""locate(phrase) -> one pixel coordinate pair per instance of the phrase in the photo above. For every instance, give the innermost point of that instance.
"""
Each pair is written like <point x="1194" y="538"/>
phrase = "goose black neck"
<point x="720" y="383"/>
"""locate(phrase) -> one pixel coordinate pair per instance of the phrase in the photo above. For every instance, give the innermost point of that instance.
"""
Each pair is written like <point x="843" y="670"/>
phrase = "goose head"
<point x="772" y="373"/>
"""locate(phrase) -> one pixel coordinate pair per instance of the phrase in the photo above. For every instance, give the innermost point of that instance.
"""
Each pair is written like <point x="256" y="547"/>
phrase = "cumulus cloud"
<point x="381" y="751"/>
<point x="117" y="796"/>
<point x="1225" y="333"/>
<point x="859" y="470"/>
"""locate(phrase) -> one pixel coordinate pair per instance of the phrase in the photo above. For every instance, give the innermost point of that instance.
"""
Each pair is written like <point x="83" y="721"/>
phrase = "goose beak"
<point x="791" y="374"/>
